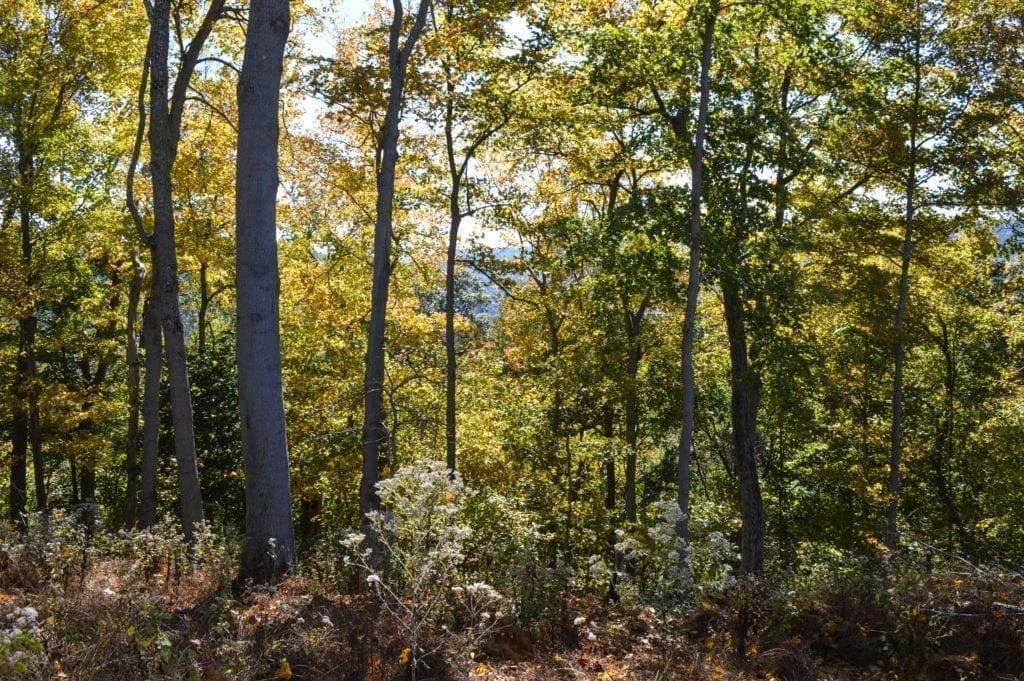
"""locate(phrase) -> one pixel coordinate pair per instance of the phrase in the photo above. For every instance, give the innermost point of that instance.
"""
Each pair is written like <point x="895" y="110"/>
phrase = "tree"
<point x="269" y="549"/>
<point x="163" y="309"/>
<point x="680" y="127"/>
<point x="58" y="61"/>
<point x="477" y="96"/>
<point x="374" y="428"/>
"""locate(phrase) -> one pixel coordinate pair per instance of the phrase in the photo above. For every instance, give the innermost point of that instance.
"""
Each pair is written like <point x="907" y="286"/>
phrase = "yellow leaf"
<point x="406" y="654"/>
<point x="480" y="669"/>
<point x="284" y="670"/>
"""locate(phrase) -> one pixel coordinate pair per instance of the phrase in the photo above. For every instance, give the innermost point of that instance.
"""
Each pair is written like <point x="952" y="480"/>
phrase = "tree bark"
<point x="693" y="276"/>
<point x="166" y="303"/>
<point x="746" y="389"/>
<point x="131" y="507"/>
<point x="19" y="436"/>
<point x="633" y="321"/>
<point x="25" y="419"/>
<point x="899" y="349"/>
<point x="455" y="217"/>
<point x="166" y="109"/>
<point x="943" y="447"/>
<point x="375" y="433"/>
<point x="269" y="549"/>
<point x="204" y="306"/>
<point x="153" y="345"/>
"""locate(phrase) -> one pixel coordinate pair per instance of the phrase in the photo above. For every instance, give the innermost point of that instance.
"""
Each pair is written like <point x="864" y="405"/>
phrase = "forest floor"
<point x="126" y="618"/>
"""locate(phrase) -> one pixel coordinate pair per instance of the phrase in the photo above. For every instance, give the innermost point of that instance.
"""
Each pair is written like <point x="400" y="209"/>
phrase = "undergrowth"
<point x="144" y="605"/>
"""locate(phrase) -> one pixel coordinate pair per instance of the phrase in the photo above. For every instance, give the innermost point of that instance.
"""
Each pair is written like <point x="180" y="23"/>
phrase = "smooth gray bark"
<point x="165" y="116"/>
<point x="693" y="273"/>
<point x="164" y="291"/>
<point x="899" y="348"/>
<point x="375" y="434"/>
<point x="269" y="549"/>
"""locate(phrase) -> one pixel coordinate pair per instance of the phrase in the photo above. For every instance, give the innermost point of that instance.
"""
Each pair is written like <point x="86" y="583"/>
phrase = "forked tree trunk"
<point x="375" y="435"/>
<point x="269" y="549"/>
<point x="165" y="116"/>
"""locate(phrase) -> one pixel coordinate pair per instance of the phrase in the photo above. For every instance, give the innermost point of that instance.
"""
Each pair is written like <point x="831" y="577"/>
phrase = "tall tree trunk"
<point x="693" y="275"/>
<point x="269" y="549"/>
<point x="899" y="349"/>
<point x="165" y="295"/>
<point x="19" y="436"/>
<point x="131" y="507"/>
<point x="455" y="217"/>
<point x="166" y="109"/>
<point x="375" y="433"/>
<point x="608" y="431"/>
<point x="746" y="389"/>
<point x="35" y="434"/>
<point x="25" y="421"/>
<point x="152" y="343"/>
<point x="943" y="447"/>
<point x="633" y="322"/>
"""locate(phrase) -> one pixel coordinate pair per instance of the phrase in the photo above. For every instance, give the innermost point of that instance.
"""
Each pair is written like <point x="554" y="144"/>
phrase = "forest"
<point x="490" y="339"/>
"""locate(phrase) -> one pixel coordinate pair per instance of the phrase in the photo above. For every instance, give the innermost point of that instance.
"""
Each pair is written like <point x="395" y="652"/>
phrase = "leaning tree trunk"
<point x="375" y="433"/>
<point x="269" y="549"/>
<point x="178" y="380"/>
<point x="693" y="276"/>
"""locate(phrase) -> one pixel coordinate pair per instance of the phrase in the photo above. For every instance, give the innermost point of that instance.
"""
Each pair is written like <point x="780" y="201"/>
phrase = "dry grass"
<point x="128" y="620"/>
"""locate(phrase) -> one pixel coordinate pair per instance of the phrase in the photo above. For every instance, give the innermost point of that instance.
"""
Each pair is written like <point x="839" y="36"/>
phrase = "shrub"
<point x="423" y="585"/>
<point x="48" y="553"/>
